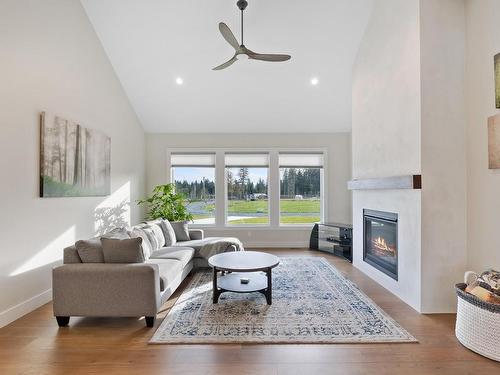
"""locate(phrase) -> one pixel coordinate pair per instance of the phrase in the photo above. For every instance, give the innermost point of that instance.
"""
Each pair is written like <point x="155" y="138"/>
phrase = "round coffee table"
<point x="236" y="265"/>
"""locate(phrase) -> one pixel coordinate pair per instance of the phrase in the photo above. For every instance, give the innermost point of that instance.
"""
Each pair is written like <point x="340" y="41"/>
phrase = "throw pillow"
<point x="122" y="251"/>
<point x="158" y="232"/>
<point x="155" y="245"/>
<point x="118" y="233"/>
<point x="147" y="248"/>
<point x="90" y="251"/>
<point x="181" y="230"/>
<point x="168" y="232"/>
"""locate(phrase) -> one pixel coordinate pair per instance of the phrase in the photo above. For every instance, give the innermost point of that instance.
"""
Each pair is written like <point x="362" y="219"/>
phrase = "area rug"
<point x="312" y="303"/>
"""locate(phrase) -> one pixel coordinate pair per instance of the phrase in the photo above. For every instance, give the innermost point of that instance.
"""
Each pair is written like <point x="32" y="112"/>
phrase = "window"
<point x="244" y="187"/>
<point x="194" y="177"/>
<point x="247" y="189"/>
<point x="300" y="188"/>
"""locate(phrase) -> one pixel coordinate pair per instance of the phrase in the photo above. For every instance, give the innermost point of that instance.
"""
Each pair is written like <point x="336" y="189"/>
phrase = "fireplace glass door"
<point x="381" y="241"/>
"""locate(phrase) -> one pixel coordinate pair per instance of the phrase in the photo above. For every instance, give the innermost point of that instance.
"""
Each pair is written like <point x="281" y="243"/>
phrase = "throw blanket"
<point x="217" y="245"/>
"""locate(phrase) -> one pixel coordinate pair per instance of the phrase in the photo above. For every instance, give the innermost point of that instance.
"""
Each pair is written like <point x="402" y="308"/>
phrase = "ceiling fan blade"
<point x="268" y="57"/>
<point x="228" y="35"/>
<point x="226" y="64"/>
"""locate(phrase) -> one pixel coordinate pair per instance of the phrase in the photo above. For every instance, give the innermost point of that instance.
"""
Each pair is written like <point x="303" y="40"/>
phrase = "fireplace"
<point x="380" y="247"/>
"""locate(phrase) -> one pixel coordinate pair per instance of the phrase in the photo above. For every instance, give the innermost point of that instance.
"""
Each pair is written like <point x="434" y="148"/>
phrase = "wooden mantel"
<point x="412" y="181"/>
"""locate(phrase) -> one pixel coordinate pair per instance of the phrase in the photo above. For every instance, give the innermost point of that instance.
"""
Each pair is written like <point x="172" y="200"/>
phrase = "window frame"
<point x="226" y="201"/>
<point x="172" y="180"/>
<point x="171" y="175"/>
<point x="322" y="182"/>
<point x="273" y="189"/>
<point x="321" y="201"/>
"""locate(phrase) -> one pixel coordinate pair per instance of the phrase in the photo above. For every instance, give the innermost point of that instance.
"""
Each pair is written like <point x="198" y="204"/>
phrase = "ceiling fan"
<point x="240" y="49"/>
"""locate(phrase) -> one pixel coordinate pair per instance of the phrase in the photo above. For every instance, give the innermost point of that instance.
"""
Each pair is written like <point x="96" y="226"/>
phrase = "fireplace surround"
<point x="380" y="245"/>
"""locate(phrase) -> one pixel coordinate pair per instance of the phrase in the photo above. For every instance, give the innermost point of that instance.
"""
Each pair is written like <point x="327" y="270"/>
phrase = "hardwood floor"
<point x="35" y="345"/>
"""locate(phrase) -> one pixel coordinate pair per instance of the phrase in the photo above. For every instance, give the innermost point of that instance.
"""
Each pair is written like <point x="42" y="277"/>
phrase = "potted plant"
<point x="165" y="203"/>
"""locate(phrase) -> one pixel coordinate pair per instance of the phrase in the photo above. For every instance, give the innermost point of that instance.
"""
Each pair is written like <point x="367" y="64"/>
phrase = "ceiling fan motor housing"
<point x="242" y="4"/>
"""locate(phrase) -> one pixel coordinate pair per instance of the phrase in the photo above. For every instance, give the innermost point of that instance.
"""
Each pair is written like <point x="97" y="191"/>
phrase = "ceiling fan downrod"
<point x="242" y="5"/>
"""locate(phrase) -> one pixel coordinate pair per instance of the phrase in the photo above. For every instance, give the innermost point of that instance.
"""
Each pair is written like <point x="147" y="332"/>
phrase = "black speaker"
<point x="313" y="240"/>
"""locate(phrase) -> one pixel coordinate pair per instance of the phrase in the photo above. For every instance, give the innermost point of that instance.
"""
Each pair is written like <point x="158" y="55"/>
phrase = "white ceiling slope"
<point x="152" y="42"/>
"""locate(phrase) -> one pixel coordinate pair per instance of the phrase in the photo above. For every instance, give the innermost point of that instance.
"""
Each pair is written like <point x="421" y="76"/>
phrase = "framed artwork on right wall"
<point x="494" y="142"/>
<point x="497" y="80"/>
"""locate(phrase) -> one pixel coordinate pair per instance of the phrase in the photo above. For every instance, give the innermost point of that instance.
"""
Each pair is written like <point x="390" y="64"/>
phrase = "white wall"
<point x="386" y="134"/>
<point x="444" y="199"/>
<point x="51" y="59"/>
<point x="409" y="118"/>
<point x="483" y="184"/>
<point x="386" y="90"/>
<point x="338" y="173"/>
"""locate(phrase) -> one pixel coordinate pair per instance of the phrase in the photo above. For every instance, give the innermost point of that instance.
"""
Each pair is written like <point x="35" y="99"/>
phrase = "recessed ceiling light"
<point x="179" y="81"/>
<point x="314" y="81"/>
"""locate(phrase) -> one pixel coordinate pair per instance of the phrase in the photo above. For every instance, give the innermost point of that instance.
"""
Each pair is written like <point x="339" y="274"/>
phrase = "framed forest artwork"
<point x="74" y="161"/>
<point x="494" y="142"/>
<point x="497" y="80"/>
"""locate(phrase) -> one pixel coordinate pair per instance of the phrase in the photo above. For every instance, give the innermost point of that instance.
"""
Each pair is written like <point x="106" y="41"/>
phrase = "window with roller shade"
<point x="301" y="179"/>
<point x="194" y="176"/>
<point x="247" y="200"/>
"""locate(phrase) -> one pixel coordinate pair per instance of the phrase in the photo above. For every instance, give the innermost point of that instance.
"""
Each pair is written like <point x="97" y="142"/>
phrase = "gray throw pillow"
<point x="90" y="251"/>
<point x="181" y="230"/>
<point x="122" y="251"/>
<point x="168" y="233"/>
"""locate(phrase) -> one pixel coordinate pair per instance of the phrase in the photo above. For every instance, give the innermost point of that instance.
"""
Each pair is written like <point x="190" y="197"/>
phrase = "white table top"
<point x="243" y="261"/>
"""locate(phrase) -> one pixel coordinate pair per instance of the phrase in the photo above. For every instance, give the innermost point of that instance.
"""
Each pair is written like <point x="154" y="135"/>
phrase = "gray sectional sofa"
<point x="89" y="284"/>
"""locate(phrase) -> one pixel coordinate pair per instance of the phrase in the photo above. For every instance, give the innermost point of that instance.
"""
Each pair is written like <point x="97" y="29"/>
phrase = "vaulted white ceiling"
<point x="150" y="43"/>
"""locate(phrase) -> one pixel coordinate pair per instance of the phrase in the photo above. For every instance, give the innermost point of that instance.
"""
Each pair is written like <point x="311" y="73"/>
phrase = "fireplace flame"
<point x="380" y="244"/>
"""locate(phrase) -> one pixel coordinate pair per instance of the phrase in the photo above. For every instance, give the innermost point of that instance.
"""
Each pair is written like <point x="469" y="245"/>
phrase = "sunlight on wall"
<point x="49" y="254"/>
<point x="114" y="211"/>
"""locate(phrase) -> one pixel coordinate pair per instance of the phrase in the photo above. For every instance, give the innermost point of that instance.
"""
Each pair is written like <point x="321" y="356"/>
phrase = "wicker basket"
<point x="478" y="324"/>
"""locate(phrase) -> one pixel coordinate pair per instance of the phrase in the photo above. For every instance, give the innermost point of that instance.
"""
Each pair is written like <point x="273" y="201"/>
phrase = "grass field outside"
<point x="248" y="207"/>
<point x="286" y="206"/>
<point x="292" y="211"/>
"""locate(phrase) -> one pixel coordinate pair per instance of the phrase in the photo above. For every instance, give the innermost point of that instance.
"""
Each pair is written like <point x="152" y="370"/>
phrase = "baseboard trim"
<point x="15" y="312"/>
<point x="296" y="244"/>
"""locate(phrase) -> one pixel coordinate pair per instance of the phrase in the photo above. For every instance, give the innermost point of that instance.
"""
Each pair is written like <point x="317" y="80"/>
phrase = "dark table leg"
<point x="216" y="292"/>
<point x="269" y="290"/>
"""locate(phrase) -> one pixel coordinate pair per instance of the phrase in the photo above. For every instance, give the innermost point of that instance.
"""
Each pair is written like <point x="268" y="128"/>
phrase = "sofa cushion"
<point x="182" y="254"/>
<point x="90" y="251"/>
<point x="158" y="232"/>
<point x="168" y="270"/>
<point x="168" y="232"/>
<point x="181" y="230"/>
<point x="122" y="251"/>
<point x="195" y="244"/>
<point x="138" y="231"/>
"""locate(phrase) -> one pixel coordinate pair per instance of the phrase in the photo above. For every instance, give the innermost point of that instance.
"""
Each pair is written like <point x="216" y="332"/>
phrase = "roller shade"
<point x="301" y="160"/>
<point x="192" y="160"/>
<point x="247" y="160"/>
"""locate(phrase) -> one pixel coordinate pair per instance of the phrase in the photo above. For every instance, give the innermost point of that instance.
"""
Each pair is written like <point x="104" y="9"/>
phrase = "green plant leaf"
<point x="165" y="203"/>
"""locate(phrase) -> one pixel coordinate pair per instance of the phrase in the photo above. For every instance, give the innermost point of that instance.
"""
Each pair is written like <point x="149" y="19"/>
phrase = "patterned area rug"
<point x="312" y="303"/>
